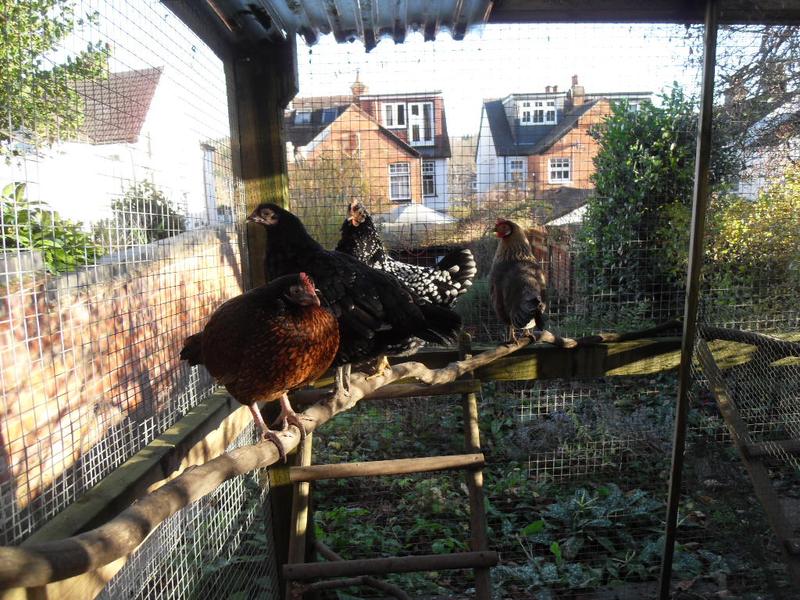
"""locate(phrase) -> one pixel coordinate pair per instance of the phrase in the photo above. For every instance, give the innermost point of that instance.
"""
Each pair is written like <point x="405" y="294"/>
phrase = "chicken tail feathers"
<point x="461" y="265"/>
<point x="443" y="324"/>
<point x="193" y="349"/>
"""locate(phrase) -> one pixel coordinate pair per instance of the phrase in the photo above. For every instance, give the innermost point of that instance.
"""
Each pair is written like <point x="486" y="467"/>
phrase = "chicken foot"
<point x="342" y="381"/>
<point x="289" y="417"/>
<point x="381" y="368"/>
<point x="266" y="432"/>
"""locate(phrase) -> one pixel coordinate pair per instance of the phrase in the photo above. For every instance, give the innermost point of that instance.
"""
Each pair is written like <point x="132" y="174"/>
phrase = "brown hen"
<point x="265" y="342"/>
<point x="516" y="281"/>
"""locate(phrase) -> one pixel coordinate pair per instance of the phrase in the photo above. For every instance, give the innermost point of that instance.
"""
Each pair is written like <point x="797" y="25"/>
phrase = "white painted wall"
<point x="441" y="201"/>
<point x="489" y="171"/>
<point x="81" y="180"/>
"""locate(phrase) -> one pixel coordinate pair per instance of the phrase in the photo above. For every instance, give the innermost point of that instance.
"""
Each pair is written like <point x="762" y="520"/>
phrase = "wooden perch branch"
<point x="777" y="345"/>
<point x="38" y="564"/>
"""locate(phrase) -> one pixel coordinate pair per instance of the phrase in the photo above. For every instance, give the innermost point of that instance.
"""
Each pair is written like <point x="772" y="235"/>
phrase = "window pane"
<point x="401" y="114"/>
<point x="389" y="114"/>
<point x="427" y="115"/>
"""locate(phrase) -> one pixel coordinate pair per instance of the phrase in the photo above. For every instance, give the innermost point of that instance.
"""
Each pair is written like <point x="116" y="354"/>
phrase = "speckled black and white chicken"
<point x="439" y="285"/>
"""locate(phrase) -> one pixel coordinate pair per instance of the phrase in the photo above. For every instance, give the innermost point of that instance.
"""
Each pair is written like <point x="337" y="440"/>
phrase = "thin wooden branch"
<point x="375" y="468"/>
<point x="38" y="564"/>
<point x="394" y="564"/>
<point x="384" y="586"/>
<point x="604" y="338"/>
<point x="776" y="345"/>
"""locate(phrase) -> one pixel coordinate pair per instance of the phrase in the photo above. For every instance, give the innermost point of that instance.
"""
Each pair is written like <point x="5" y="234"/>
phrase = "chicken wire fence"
<point x="121" y="222"/>
<point x="121" y="233"/>
<point x="439" y="139"/>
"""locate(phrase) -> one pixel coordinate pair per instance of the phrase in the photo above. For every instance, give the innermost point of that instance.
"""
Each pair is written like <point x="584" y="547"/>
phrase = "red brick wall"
<point x="75" y="363"/>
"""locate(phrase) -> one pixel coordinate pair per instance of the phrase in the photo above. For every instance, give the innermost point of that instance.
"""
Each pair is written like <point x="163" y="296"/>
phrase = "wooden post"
<point x="260" y="82"/>
<point x="300" y="505"/>
<point x="477" y="512"/>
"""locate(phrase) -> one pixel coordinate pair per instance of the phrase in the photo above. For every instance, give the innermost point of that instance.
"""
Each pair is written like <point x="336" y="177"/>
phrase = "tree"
<point x="143" y="215"/>
<point x="35" y="90"/>
<point x="322" y="188"/>
<point x="629" y="244"/>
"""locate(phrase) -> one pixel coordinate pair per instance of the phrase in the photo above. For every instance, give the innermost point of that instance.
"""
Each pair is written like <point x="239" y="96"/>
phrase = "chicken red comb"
<point x="500" y="220"/>
<point x="307" y="281"/>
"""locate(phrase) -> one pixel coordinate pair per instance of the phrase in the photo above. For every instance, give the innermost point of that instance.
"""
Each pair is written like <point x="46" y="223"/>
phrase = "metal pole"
<point x="699" y="206"/>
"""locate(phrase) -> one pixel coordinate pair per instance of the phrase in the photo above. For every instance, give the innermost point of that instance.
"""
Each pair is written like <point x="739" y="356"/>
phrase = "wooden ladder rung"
<point x="396" y="564"/>
<point x="396" y="390"/>
<point x="288" y="475"/>
<point x="759" y="449"/>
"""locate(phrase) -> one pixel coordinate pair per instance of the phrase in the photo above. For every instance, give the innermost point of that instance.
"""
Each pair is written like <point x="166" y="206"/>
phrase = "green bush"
<point x="143" y="215"/>
<point x="634" y="236"/>
<point x="33" y="226"/>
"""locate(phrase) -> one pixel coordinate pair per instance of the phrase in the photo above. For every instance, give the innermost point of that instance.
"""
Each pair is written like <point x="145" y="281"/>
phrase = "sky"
<point x="495" y="60"/>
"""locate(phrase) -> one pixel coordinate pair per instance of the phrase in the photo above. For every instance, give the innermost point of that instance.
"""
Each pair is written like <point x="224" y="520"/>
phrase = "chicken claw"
<point x="266" y="432"/>
<point x="381" y="368"/>
<point x="289" y="417"/>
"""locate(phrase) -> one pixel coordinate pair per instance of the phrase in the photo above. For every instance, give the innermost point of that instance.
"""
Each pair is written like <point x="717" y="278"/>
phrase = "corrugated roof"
<point x="115" y="108"/>
<point x="351" y="20"/>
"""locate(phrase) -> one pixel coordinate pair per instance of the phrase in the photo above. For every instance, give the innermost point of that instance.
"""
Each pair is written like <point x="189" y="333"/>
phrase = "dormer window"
<point x="420" y="123"/>
<point x="394" y="115"/>
<point x="537" y="112"/>
<point x="328" y="115"/>
<point x="302" y="117"/>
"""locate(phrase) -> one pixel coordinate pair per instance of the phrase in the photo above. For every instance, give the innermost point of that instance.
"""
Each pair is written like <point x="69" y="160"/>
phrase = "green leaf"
<point x="533" y="528"/>
<point x="555" y="549"/>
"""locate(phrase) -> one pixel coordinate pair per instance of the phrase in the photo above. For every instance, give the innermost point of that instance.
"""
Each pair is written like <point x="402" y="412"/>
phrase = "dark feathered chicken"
<point x="516" y="281"/>
<point x="265" y="342"/>
<point x="374" y="312"/>
<point x="439" y="285"/>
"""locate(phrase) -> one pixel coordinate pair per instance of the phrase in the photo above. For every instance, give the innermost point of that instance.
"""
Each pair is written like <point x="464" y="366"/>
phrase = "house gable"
<point x="115" y="108"/>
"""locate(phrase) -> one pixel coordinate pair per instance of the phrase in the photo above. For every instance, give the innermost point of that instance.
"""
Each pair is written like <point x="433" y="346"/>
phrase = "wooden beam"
<point x="397" y="564"/>
<point x="399" y="390"/>
<point x="42" y="563"/>
<point x="635" y="11"/>
<point x="261" y="82"/>
<point x="204" y="433"/>
<point x="479" y="540"/>
<point x="301" y="500"/>
<point x="376" y="468"/>
<point x="775" y="448"/>
<point x="204" y="22"/>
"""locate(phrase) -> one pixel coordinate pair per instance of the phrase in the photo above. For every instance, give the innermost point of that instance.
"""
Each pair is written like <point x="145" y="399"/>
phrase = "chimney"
<point x="577" y="93"/>
<point x="555" y="89"/>
<point x="547" y="89"/>
<point x="358" y="88"/>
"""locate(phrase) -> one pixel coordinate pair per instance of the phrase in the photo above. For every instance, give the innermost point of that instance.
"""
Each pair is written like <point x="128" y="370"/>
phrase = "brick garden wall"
<point x="92" y="357"/>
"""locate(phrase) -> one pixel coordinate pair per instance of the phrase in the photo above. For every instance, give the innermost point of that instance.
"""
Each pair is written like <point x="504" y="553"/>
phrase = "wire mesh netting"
<point x="120" y="235"/>
<point x="439" y="139"/>
<point x="217" y="547"/>
<point x="121" y="223"/>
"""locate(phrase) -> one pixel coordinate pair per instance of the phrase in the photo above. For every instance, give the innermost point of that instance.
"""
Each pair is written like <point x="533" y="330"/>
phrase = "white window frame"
<point x="392" y="111"/>
<point x="329" y="115"/>
<point x="525" y="115"/>
<point x="559" y="170"/>
<point x="516" y="172"/>
<point x="418" y="122"/>
<point x="429" y="177"/>
<point x="302" y="116"/>
<point x="399" y="175"/>
<point x="537" y="112"/>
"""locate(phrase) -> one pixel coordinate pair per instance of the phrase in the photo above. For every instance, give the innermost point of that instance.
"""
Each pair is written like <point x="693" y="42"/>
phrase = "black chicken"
<point x="374" y="312"/>
<point x="516" y="281"/>
<point x="440" y="285"/>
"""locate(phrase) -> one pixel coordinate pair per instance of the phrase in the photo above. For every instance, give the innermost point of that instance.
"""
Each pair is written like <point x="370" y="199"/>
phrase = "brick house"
<point x="540" y="144"/>
<point x="395" y="145"/>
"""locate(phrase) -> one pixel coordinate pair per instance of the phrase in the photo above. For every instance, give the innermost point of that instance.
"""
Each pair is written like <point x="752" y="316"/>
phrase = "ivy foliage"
<point x="27" y="225"/>
<point x="644" y="176"/>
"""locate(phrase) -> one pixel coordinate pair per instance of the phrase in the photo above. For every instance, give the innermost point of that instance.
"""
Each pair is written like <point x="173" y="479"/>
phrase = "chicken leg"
<point x="289" y="417"/>
<point x="266" y="432"/>
<point x="342" y="380"/>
